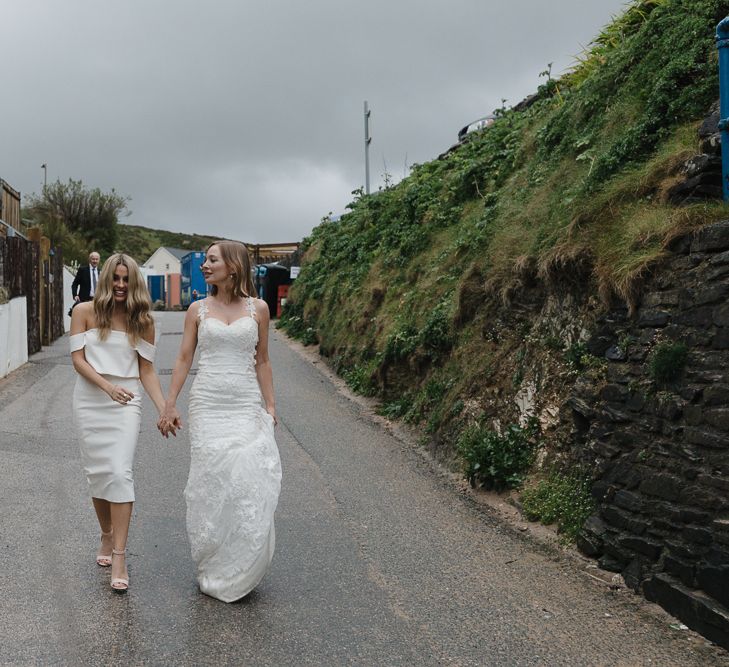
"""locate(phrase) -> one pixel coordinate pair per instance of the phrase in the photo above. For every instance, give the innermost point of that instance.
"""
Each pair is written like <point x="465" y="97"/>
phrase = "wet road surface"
<point x="379" y="561"/>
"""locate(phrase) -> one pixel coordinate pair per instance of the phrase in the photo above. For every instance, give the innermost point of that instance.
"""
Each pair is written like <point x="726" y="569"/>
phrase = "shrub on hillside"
<point x="563" y="499"/>
<point x="293" y="322"/>
<point x="498" y="461"/>
<point x="437" y="335"/>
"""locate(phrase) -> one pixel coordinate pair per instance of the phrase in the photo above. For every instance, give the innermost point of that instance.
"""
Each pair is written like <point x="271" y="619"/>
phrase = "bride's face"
<point x="214" y="269"/>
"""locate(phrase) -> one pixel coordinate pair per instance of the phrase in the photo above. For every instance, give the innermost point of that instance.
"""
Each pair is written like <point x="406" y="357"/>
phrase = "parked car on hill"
<point x="476" y="126"/>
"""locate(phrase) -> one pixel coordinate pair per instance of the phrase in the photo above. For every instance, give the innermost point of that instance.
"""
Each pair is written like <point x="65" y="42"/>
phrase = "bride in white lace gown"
<point x="235" y="470"/>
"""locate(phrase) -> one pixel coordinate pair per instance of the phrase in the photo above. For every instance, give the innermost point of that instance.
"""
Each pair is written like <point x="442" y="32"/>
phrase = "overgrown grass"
<point x="395" y="408"/>
<point x="292" y="319"/>
<point x="563" y="499"/>
<point x="359" y="378"/>
<point x="572" y="190"/>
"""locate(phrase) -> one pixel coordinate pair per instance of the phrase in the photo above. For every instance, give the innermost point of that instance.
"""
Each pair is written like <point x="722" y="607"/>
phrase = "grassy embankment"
<point x="472" y="281"/>
<point x="141" y="242"/>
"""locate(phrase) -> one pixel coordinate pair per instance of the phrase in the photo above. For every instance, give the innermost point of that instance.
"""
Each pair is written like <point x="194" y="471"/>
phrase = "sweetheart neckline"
<point x="229" y="324"/>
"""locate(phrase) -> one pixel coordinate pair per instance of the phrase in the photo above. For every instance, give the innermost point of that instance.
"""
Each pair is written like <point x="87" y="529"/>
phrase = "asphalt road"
<point x="379" y="560"/>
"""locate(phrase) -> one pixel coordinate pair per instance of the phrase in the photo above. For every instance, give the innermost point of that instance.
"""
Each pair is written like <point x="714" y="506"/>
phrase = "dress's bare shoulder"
<point x="261" y="308"/>
<point x="82" y="317"/>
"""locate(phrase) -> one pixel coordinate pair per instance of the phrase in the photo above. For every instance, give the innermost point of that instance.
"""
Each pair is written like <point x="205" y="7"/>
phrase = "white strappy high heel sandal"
<point x="102" y="559"/>
<point x="119" y="584"/>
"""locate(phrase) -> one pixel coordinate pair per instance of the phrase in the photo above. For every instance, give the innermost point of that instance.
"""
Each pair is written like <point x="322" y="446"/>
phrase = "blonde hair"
<point x="235" y="256"/>
<point x="138" y="303"/>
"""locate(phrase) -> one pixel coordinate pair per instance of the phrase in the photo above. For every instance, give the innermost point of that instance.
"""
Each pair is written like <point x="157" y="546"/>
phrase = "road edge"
<point x="544" y="538"/>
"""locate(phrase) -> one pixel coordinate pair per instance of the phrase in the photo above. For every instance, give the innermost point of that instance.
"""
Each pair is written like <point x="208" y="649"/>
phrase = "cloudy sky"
<point x="244" y="118"/>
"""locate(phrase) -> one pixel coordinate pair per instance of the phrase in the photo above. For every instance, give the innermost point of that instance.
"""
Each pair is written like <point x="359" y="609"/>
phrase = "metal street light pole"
<point x="368" y="139"/>
<point x="44" y="167"/>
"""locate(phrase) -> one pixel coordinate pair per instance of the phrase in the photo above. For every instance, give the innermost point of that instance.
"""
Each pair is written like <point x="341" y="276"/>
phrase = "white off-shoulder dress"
<point x="108" y="429"/>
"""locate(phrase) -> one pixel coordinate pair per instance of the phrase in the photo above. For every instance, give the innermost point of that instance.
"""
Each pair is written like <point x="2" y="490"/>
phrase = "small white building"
<point x="163" y="261"/>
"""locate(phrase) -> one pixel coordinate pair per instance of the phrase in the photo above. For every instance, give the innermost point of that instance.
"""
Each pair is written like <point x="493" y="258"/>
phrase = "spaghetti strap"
<point x="252" y="308"/>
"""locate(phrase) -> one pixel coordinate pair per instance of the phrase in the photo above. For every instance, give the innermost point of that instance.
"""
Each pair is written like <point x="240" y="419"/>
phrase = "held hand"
<point x="119" y="394"/>
<point x="165" y="428"/>
<point x="76" y="299"/>
<point x="171" y="415"/>
<point x="169" y="421"/>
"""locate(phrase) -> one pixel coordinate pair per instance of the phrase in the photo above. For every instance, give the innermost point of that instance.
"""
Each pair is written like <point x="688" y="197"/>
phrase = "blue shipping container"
<point x="156" y="287"/>
<point x="192" y="282"/>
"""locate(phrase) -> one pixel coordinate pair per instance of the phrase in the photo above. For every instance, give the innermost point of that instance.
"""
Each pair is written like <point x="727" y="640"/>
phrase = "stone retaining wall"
<point x="661" y="446"/>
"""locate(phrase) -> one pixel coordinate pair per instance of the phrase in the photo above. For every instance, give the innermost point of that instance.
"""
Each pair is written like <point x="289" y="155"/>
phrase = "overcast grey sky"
<point x="244" y="118"/>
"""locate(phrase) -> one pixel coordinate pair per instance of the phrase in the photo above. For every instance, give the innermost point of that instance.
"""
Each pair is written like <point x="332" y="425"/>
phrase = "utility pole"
<point x="368" y="139"/>
<point x="44" y="167"/>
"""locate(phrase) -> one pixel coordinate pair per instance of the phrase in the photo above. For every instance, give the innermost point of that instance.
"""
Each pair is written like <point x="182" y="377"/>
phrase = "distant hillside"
<point x="141" y="242"/>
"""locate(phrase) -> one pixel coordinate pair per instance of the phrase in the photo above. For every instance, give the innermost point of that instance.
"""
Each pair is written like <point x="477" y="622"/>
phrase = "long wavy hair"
<point x="236" y="258"/>
<point x="138" y="303"/>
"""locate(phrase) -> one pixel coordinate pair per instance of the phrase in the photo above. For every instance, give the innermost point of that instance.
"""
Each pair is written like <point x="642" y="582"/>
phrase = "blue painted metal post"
<point x="722" y="43"/>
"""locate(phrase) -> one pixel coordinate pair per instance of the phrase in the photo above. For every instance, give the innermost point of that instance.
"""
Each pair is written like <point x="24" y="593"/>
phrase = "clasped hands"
<point x="169" y="421"/>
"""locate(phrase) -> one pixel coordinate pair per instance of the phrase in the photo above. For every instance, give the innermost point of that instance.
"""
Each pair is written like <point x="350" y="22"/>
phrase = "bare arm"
<point x="264" y="373"/>
<point x="149" y="377"/>
<point x="169" y="414"/>
<point x="80" y="320"/>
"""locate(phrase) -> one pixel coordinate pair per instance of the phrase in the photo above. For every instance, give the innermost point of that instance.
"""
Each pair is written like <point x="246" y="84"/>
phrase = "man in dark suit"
<point x="84" y="284"/>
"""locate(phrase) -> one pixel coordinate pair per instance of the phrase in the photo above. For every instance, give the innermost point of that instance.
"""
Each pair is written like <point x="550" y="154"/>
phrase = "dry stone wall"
<point x="657" y="433"/>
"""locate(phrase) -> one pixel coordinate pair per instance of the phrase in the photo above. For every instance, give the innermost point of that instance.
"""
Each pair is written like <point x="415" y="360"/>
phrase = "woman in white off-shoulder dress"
<point x="112" y="347"/>
<point x="235" y="470"/>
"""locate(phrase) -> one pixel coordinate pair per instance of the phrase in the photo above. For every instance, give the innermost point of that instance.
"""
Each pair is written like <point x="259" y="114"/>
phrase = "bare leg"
<point x="121" y="515"/>
<point x="103" y="514"/>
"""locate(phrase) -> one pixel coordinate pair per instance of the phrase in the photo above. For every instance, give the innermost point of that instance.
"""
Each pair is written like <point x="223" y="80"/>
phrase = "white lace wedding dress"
<point x="235" y="470"/>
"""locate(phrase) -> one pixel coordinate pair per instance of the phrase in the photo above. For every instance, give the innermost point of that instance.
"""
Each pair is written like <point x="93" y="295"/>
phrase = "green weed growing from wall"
<point x="498" y="460"/>
<point x="667" y="361"/>
<point x="563" y="499"/>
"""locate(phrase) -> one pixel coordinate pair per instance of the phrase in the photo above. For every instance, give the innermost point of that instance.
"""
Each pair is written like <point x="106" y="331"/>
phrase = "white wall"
<point x="13" y="335"/>
<point x="161" y="263"/>
<point x="68" y="278"/>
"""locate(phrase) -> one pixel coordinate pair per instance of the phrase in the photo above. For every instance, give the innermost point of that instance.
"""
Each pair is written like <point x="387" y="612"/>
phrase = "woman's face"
<point x="214" y="269"/>
<point x="121" y="283"/>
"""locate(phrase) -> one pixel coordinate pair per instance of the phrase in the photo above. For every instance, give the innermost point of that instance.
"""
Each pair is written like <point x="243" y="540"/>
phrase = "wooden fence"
<point x="54" y="306"/>
<point x="31" y="268"/>
<point x="9" y="207"/>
